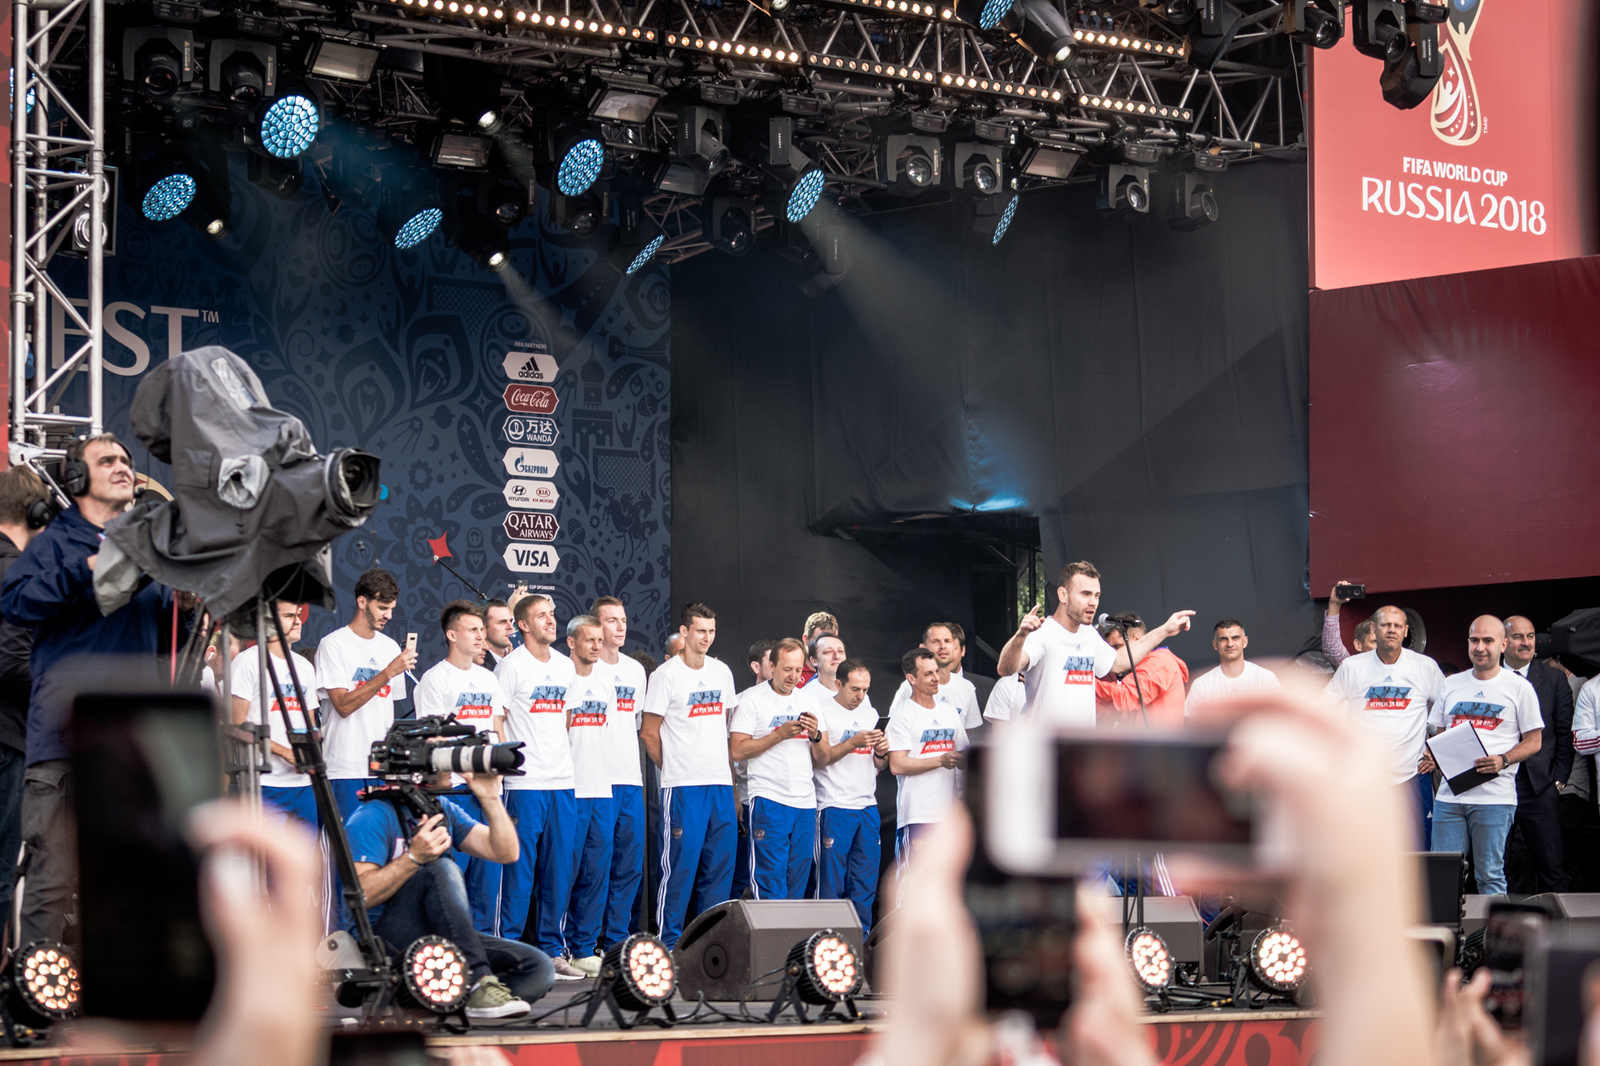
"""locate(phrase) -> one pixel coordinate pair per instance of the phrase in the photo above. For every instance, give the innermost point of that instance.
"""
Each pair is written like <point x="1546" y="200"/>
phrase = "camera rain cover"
<point x="252" y="497"/>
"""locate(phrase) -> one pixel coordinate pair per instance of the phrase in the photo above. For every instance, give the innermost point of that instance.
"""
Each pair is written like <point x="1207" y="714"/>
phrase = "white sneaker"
<point x="565" y="971"/>
<point x="589" y="964"/>
<point x="491" y="999"/>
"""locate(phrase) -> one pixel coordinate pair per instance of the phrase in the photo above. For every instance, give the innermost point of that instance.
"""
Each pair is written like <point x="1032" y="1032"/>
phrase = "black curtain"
<point x="1142" y="391"/>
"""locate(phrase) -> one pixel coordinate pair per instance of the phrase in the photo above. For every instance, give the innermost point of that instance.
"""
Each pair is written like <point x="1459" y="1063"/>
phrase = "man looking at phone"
<point x="1504" y="710"/>
<point x="775" y="730"/>
<point x="940" y="641"/>
<point x="1234" y="675"/>
<point x="413" y="889"/>
<point x="854" y="752"/>
<point x="1389" y="692"/>
<point x="925" y="743"/>
<point x="627" y="679"/>
<point x="1061" y="656"/>
<point x="361" y="673"/>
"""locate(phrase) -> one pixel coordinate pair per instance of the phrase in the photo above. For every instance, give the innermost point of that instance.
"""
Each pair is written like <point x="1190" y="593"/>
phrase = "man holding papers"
<point x="1502" y="709"/>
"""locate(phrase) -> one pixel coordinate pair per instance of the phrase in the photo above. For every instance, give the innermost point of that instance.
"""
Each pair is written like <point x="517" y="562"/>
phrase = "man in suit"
<point x="1542" y="777"/>
<point x="981" y="684"/>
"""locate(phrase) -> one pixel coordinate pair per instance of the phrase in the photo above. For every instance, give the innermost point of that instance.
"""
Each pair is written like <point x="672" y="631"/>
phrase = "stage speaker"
<point x="1580" y="911"/>
<point x="734" y="943"/>
<point x="1440" y="873"/>
<point x="1174" y="919"/>
<point x="1475" y="912"/>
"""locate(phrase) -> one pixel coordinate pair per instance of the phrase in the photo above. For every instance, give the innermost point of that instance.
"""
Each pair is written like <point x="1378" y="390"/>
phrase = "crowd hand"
<point x="402" y="662"/>
<point x="431" y="840"/>
<point x="1426" y="765"/>
<point x="518" y="593"/>
<point x="794" y="727"/>
<point x="809" y="724"/>
<point x="1032" y="620"/>
<point x="1102" y="1028"/>
<point x="1466" y="1035"/>
<point x="1490" y="764"/>
<point x="1334" y="600"/>
<point x="869" y="738"/>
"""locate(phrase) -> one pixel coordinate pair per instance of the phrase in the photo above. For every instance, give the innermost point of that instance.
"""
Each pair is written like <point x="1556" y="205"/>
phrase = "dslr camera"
<point x="416" y="750"/>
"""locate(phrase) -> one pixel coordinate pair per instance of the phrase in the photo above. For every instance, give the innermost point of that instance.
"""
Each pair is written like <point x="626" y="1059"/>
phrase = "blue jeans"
<point x="1487" y="825"/>
<point x="434" y="901"/>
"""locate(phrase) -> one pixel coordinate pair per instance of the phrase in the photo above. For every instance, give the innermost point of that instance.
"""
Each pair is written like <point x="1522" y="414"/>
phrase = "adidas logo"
<point x="1386" y="677"/>
<point x="1480" y="692"/>
<point x="530" y="369"/>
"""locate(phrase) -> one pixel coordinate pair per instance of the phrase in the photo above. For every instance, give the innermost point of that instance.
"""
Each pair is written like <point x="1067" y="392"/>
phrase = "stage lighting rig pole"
<point x="39" y="226"/>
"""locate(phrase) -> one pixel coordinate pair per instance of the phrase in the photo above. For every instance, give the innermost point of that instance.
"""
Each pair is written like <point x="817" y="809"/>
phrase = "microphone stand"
<point x="1138" y="860"/>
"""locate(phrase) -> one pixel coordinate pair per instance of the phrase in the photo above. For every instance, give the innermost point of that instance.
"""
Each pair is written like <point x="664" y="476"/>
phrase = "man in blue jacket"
<point x="50" y="589"/>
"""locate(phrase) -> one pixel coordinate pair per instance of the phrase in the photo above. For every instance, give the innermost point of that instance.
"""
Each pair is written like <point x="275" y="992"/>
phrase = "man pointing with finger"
<point x="1060" y="656"/>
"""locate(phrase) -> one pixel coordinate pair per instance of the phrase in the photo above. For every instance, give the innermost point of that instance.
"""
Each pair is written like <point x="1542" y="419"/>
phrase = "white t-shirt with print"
<point x="622" y="727"/>
<point x="852" y="782"/>
<point x="345" y="661"/>
<point x="926" y="733"/>
<point x="1062" y="667"/>
<point x="1501" y="709"/>
<point x="244" y="684"/>
<point x="1391" y="702"/>
<point x="590" y="702"/>
<point x="1215" y="685"/>
<point x="961" y="693"/>
<point x="694" y="706"/>
<point x="1007" y="698"/>
<point x="536" y="698"/>
<point x="782" y="773"/>
<point x="472" y="695"/>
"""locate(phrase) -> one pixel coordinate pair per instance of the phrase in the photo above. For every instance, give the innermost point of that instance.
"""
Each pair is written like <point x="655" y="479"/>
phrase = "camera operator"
<point x="411" y="892"/>
<point x="50" y="589"/>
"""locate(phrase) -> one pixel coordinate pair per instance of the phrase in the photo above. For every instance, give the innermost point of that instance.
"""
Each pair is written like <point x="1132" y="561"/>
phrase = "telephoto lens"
<point x="477" y="758"/>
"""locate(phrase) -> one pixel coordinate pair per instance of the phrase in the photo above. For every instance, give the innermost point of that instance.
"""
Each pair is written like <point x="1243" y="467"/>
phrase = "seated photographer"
<point x="411" y="892"/>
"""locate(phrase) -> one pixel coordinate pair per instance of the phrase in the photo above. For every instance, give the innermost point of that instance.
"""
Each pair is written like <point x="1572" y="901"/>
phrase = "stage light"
<point x="984" y="14"/>
<point x="1193" y="204"/>
<point x="167" y="197"/>
<point x="336" y="59"/>
<point x="507" y="202"/>
<point x="211" y="209"/>
<point x="418" y="228"/>
<point x="640" y="973"/>
<point x="1054" y="155"/>
<point x="283" y="178"/>
<point x="1210" y="39"/>
<point x="243" y="80"/>
<point x="289" y="125"/>
<point x="158" y="60"/>
<point x="460" y="152"/>
<point x="1378" y="29"/>
<point x="992" y="218"/>
<point x="1409" y="78"/>
<point x="485" y="242"/>
<point x="1041" y="28"/>
<point x="1319" y="23"/>
<point x="910" y="162"/>
<point x="1124" y="188"/>
<point x="976" y="169"/>
<point x="1148" y="955"/>
<point x="637" y="238"/>
<point x="580" y="166"/>
<point x="700" y="151"/>
<point x="466" y="90"/>
<point x="732" y="226"/>
<point x="804" y="193"/>
<point x="1277" y="960"/>
<point x="410" y="210"/>
<point x="435" y="974"/>
<point x="582" y="216"/>
<point x="828" y="970"/>
<point x="44" y="984"/>
<point x="625" y="101"/>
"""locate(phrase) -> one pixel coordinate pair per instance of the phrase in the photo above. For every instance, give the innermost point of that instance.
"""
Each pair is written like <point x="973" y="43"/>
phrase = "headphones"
<point x="73" y="473"/>
<point x="40" y="513"/>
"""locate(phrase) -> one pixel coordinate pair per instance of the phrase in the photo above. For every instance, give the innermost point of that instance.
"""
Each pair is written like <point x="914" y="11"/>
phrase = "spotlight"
<point x="641" y="973"/>
<point x="507" y="202"/>
<point x="243" y="72"/>
<point x="984" y="14"/>
<point x="1211" y="39"/>
<point x="459" y="152"/>
<point x="1050" y="157"/>
<point x="992" y="218"/>
<point x="910" y="162"/>
<point x="409" y="215"/>
<point x="336" y="59"/>
<point x="158" y="60"/>
<point x="484" y="241"/>
<point x="1277" y="960"/>
<point x="44" y="984"/>
<point x="803" y="194"/>
<point x="1193" y="203"/>
<point x="435" y="974"/>
<point x="1378" y="29"/>
<point x="637" y="238"/>
<point x="211" y="209"/>
<point x="628" y="102"/>
<point x="582" y="216"/>
<point x="1319" y="23"/>
<point x="466" y="90"/>
<point x="283" y="178"/>
<point x="733" y="226"/>
<point x="976" y="169"/>
<point x="1149" y="957"/>
<point x="289" y="125"/>
<point x="1041" y="28"/>
<point x="825" y="968"/>
<point x="701" y="151"/>
<point x="1178" y="11"/>
<point x="1409" y="78"/>
<point x="1124" y="189"/>
<point x="167" y="196"/>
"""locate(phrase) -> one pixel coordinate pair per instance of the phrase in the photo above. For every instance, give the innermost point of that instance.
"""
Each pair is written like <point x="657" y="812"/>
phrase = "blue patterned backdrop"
<point x="401" y="353"/>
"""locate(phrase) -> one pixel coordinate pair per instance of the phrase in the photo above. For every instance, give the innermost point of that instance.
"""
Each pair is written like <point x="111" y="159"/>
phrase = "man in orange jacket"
<point x="1162" y="680"/>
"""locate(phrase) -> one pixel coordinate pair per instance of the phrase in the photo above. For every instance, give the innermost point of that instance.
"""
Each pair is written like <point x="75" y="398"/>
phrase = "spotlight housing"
<point x="1041" y="28"/>
<point x="1194" y="204"/>
<point x="1409" y="78"/>
<point x="992" y="218"/>
<point x="977" y="169"/>
<point x="465" y="90"/>
<point x="45" y="985"/>
<point x="435" y="974"/>
<point x="733" y="226"/>
<point x="825" y="968"/>
<point x="1212" y="36"/>
<point x="1278" y="961"/>
<point x="1148" y="956"/>
<point x="243" y="73"/>
<point x="1378" y="29"/>
<point x="911" y="162"/>
<point x="211" y="209"/>
<point x="158" y="60"/>
<point x="283" y="178"/>
<point x="409" y="215"/>
<point x="984" y="14"/>
<point x="289" y="125"/>
<point x="1124" y="189"/>
<point x="701" y="151"/>
<point x="338" y="59"/>
<point x="1319" y="23"/>
<point x="640" y="972"/>
<point x="637" y="238"/>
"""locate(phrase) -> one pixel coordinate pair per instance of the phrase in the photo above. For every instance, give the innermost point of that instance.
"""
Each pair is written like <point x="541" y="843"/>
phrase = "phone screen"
<point x="1146" y="791"/>
<point x="140" y="764"/>
<point x="1508" y="936"/>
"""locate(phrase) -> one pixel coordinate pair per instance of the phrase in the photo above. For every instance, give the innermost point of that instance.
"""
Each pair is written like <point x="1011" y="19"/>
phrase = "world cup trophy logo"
<point x="1457" y="117"/>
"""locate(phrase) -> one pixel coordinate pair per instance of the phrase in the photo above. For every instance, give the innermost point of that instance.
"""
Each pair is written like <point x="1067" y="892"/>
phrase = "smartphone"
<point x="1066" y="801"/>
<point x="1510" y="935"/>
<point x="411" y="642"/>
<point x="141" y="762"/>
<point x="1026" y="925"/>
<point x="1350" y="592"/>
<point x="1558" y="967"/>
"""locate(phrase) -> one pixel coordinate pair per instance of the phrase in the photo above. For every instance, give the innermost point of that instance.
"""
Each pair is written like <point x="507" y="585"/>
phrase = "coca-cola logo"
<point x="531" y="399"/>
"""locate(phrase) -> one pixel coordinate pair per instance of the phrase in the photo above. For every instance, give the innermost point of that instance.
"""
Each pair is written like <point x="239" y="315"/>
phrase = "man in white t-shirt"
<point x="591" y="699"/>
<point x="458" y="685"/>
<point x="823" y="656"/>
<point x="940" y="640"/>
<point x="1060" y="656"/>
<point x="1503" y="708"/>
<point x="1007" y="698"/>
<point x="775" y="730"/>
<point x="360" y="672"/>
<point x="283" y="788"/>
<point x="760" y="663"/>
<point x="855" y="753"/>
<point x="534" y="679"/>
<point x="685" y="732"/>
<point x="1234" y="675"/>
<point x="1389" y="691"/>
<point x="627" y="777"/>
<point x="925" y="742"/>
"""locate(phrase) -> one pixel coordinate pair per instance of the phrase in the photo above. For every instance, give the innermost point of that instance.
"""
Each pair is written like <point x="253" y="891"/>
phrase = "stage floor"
<point x="1210" y="1038"/>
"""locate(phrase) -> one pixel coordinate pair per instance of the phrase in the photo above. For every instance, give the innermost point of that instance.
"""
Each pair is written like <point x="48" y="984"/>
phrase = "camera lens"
<point x="351" y="485"/>
<point x="477" y="758"/>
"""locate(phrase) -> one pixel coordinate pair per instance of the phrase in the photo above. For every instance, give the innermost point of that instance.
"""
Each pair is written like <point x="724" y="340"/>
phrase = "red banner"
<point x="1485" y="173"/>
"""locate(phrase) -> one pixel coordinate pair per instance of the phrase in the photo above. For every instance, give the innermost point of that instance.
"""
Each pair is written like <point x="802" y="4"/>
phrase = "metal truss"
<point x="58" y="187"/>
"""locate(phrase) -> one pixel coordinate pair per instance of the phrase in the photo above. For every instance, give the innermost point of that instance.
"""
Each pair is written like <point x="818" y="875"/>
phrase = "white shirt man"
<point x="1007" y="699"/>
<point x="627" y="776"/>
<point x="1060" y="656"/>
<point x="282" y="787"/>
<point x="925" y="744"/>
<point x="1389" y="691"/>
<point x="534" y="679"/>
<point x="591" y="700"/>
<point x="1234" y="675"/>
<point x="855" y="752"/>
<point x="685" y="732"/>
<point x="775" y="730"/>
<point x="361" y="673"/>
<point x="825" y="683"/>
<point x="939" y="640"/>
<point x="1502" y="707"/>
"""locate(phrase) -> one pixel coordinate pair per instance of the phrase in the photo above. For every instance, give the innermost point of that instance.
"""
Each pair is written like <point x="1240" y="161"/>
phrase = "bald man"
<point x="1501" y="705"/>
<point x="1535" y="861"/>
<point x="1389" y="691"/>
